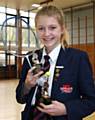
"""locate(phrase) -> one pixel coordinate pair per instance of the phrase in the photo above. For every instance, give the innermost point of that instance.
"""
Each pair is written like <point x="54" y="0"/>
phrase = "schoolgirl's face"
<point x="49" y="31"/>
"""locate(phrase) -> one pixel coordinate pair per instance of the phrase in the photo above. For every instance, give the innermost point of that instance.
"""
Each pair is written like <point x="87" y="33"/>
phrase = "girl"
<point x="71" y="86"/>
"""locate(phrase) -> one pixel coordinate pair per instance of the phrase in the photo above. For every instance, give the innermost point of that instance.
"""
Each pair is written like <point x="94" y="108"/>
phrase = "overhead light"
<point x="36" y="5"/>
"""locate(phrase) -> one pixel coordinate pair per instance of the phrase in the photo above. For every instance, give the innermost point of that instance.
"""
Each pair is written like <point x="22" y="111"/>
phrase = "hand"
<point x="31" y="79"/>
<point x="54" y="109"/>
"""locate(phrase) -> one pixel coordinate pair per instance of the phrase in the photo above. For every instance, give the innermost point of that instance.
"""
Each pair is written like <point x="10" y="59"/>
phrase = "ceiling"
<point x="27" y="4"/>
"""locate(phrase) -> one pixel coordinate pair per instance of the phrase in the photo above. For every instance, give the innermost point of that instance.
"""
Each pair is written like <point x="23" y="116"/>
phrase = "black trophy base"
<point x="45" y="99"/>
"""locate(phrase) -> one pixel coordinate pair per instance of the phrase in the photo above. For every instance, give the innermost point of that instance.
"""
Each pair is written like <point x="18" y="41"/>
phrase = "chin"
<point x="49" y="46"/>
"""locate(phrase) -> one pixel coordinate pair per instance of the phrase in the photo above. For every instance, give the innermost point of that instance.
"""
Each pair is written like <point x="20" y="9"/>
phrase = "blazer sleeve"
<point x="79" y="108"/>
<point x="19" y="90"/>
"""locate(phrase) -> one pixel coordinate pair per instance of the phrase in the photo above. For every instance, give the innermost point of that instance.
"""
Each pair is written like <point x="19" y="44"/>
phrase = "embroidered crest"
<point x="66" y="88"/>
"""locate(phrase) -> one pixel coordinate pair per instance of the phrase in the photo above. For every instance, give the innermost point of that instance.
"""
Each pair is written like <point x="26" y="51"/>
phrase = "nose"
<point x="46" y="32"/>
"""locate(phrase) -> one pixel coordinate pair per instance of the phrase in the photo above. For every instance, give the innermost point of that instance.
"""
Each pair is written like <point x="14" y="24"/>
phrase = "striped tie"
<point x="46" y="65"/>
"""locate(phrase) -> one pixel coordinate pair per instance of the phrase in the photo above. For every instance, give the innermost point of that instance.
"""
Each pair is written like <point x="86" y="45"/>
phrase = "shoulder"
<point x="76" y="52"/>
<point x="78" y="56"/>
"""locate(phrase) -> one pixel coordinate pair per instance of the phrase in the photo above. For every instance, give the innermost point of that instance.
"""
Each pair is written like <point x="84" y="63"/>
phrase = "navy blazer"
<point x="73" y="85"/>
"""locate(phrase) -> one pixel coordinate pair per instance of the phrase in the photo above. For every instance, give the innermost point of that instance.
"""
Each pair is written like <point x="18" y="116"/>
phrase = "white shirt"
<point x="53" y="59"/>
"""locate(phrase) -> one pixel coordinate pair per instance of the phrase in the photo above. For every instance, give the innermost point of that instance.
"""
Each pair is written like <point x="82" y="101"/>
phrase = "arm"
<point x="20" y="88"/>
<point x="26" y="86"/>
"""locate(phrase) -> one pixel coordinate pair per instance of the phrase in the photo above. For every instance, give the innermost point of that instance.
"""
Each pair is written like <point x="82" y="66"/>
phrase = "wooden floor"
<point x="9" y="108"/>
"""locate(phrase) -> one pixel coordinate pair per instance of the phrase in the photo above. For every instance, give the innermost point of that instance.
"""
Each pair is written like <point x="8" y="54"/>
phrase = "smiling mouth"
<point x="50" y="39"/>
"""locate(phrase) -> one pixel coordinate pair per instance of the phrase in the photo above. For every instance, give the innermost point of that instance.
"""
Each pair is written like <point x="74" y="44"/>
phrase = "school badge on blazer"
<point x="57" y="71"/>
<point x="66" y="88"/>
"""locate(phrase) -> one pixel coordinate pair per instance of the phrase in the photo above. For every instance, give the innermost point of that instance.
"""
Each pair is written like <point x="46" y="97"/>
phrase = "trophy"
<point x="45" y="98"/>
<point x="43" y="94"/>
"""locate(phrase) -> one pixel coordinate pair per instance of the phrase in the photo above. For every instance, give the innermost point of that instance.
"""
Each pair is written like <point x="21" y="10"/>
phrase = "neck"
<point x="49" y="49"/>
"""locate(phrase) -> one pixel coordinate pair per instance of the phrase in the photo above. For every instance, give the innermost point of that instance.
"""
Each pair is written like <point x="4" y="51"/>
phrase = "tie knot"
<point x="46" y="65"/>
<point x="46" y="57"/>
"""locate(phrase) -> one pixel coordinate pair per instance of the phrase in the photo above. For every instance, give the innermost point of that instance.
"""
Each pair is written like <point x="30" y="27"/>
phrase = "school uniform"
<point x="72" y="85"/>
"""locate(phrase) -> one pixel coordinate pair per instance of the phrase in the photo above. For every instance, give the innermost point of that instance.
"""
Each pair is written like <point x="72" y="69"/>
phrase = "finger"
<point x="46" y="107"/>
<point x="48" y="111"/>
<point x="38" y="74"/>
<point x="39" y="107"/>
<point x="54" y="102"/>
<point x="30" y="70"/>
<point x="42" y="105"/>
<point x="43" y="110"/>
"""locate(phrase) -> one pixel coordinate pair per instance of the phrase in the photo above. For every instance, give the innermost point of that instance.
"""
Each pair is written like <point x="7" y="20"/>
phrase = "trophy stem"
<point x="45" y="98"/>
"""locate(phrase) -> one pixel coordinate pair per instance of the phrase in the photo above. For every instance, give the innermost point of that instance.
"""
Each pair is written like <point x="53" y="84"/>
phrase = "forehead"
<point x="44" y="20"/>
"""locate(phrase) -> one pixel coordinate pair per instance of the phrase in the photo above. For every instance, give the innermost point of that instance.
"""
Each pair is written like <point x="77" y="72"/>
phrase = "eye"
<point x="40" y="28"/>
<point x="52" y="27"/>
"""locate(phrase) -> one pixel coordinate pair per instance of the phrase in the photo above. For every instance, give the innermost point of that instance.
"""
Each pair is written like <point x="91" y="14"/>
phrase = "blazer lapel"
<point x="61" y="63"/>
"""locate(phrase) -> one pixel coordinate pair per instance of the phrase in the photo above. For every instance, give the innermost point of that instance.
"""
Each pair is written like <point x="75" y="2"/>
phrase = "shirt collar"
<point x="54" y="53"/>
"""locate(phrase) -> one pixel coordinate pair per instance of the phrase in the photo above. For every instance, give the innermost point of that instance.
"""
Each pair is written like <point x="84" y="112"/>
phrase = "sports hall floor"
<point x="9" y="108"/>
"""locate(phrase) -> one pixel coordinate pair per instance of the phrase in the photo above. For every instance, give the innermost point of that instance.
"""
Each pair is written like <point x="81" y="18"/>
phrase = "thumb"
<point x="54" y="102"/>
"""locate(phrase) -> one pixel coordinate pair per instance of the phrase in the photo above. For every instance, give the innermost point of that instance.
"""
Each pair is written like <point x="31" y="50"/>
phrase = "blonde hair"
<point x="58" y="14"/>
